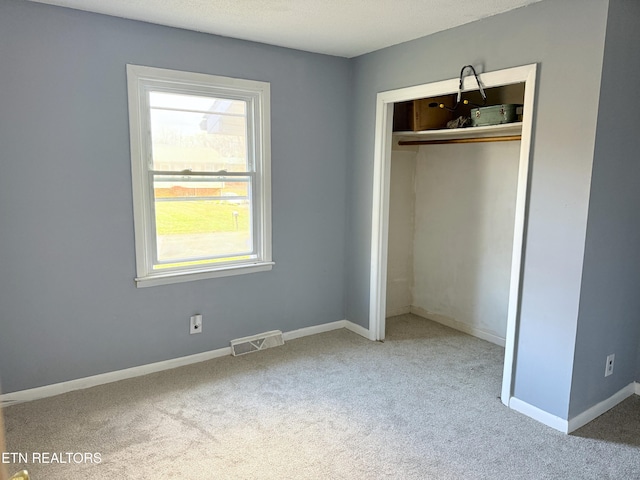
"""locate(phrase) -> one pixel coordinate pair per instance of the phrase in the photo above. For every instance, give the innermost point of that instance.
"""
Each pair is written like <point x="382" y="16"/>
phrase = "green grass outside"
<point x="204" y="216"/>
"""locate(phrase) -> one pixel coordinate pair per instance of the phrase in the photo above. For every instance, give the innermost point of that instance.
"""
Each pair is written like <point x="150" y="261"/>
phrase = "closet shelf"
<point x="491" y="133"/>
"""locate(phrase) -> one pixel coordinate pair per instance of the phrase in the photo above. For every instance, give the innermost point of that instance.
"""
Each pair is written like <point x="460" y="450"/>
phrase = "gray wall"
<point x="567" y="43"/>
<point x="68" y="304"/>
<point x="609" y="320"/>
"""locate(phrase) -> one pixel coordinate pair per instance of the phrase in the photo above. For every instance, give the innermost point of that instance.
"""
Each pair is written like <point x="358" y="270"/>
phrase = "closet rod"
<point x="509" y="138"/>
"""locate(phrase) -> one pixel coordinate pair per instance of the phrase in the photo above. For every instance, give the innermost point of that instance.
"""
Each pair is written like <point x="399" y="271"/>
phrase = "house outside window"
<point x="200" y="162"/>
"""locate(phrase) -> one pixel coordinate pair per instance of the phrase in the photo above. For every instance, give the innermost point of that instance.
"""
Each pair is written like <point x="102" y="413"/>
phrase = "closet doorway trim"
<point x="380" y="202"/>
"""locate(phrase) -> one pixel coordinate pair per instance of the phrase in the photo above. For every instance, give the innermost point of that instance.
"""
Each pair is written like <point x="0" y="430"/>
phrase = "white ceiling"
<point x="345" y="28"/>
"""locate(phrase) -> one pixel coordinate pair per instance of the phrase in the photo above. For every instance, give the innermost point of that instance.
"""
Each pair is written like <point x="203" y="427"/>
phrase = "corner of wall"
<point x="609" y="303"/>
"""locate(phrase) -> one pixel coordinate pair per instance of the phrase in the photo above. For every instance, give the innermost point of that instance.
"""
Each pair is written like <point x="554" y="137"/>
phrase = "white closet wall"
<point x="461" y="234"/>
<point x="401" y="223"/>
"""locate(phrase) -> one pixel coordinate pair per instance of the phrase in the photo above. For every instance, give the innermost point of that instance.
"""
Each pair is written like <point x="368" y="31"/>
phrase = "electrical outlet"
<point x="195" y="325"/>
<point x="609" y="367"/>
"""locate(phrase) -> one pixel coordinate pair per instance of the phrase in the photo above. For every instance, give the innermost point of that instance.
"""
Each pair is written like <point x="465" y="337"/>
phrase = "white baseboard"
<point x="602" y="407"/>
<point x="305" y="332"/>
<point x="109" y="377"/>
<point x="574" y="423"/>
<point x="463" y="327"/>
<point x="539" y="415"/>
<point x="327" y="327"/>
<point x="360" y="330"/>
<point x="398" y="311"/>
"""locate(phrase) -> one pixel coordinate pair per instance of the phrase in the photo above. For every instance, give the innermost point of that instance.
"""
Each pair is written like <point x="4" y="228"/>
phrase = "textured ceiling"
<point x="345" y="28"/>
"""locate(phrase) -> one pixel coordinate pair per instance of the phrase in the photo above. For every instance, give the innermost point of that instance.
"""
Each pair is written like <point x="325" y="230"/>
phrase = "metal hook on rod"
<point x="460" y="88"/>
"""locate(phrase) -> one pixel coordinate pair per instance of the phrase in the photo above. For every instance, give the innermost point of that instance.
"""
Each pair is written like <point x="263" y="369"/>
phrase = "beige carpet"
<point x="422" y="405"/>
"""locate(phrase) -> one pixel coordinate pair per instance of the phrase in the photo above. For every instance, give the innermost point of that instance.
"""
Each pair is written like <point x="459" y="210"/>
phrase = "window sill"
<point x="178" y="277"/>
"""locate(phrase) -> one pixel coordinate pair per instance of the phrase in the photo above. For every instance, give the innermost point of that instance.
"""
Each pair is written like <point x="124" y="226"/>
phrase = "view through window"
<point x="202" y="168"/>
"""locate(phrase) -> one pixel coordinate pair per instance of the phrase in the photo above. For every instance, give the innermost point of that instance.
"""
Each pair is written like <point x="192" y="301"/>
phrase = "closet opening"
<point x="449" y="208"/>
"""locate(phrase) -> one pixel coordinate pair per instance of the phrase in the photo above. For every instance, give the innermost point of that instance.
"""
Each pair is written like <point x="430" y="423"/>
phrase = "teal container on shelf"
<point x="494" y="115"/>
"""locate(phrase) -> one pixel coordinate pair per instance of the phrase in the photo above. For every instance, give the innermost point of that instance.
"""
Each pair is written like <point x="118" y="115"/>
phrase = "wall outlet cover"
<point x="608" y="370"/>
<point x="195" y="324"/>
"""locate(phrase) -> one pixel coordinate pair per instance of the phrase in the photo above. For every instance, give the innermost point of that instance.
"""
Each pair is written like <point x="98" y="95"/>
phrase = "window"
<point x="200" y="162"/>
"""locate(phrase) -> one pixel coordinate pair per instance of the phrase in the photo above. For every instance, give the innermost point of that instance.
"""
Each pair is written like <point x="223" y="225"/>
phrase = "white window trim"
<point x="139" y="79"/>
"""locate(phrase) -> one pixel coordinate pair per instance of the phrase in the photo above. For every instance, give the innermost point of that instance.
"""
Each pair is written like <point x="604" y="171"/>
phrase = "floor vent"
<point x="240" y="346"/>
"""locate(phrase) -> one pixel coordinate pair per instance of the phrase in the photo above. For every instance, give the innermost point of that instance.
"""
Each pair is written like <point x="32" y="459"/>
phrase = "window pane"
<point x="200" y="217"/>
<point x="203" y="104"/>
<point x="204" y="134"/>
<point x="200" y="175"/>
